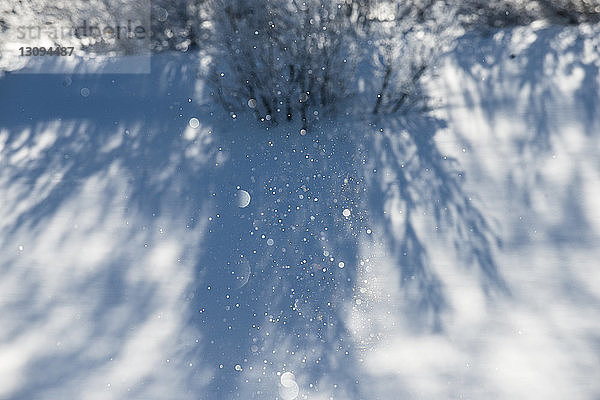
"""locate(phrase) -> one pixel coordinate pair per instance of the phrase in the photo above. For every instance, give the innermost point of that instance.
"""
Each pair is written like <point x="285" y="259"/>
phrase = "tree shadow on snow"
<point x="547" y="64"/>
<point x="549" y="78"/>
<point x="281" y="275"/>
<point x="274" y="281"/>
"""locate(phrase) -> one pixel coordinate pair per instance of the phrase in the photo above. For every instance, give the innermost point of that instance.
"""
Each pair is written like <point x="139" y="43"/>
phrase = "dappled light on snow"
<point x="157" y="246"/>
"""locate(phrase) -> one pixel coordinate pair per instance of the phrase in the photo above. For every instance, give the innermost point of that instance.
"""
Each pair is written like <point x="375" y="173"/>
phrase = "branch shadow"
<point x="284" y="274"/>
<point x="536" y="57"/>
<point x="273" y="283"/>
<point x="99" y="199"/>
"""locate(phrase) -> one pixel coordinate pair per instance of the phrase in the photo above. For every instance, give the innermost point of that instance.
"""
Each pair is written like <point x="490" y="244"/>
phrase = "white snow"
<point x="133" y="266"/>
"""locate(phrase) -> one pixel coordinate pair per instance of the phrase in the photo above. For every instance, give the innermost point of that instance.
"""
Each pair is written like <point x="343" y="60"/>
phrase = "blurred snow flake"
<point x="194" y="123"/>
<point x="288" y="389"/>
<point x="242" y="198"/>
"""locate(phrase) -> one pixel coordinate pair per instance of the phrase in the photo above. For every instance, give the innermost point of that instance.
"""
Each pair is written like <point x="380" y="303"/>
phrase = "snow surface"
<point x="153" y="248"/>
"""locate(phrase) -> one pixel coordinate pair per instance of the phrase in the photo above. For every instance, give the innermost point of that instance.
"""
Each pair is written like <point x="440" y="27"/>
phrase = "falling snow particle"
<point x="238" y="367"/>
<point x="289" y="389"/>
<point x="242" y="198"/>
<point x="85" y="92"/>
<point x="303" y="132"/>
<point x="21" y="248"/>
<point x="161" y="14"/>
<point x="194" y="123"/>
<point x="341" y="264"/>
<point x="252" y="103"/>
<point x="270" y="242"/>
<point x="346" y="212"/>
<point x="287" y="378"/>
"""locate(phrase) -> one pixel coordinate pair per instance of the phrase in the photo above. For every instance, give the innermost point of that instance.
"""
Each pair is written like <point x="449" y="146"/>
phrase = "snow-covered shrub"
<point x="502" y="13"/>
<point x="279" y="58"/>
<point x="407" y="37"/>
<point x="288" y="60"/>
<point x="179" y="25"/>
